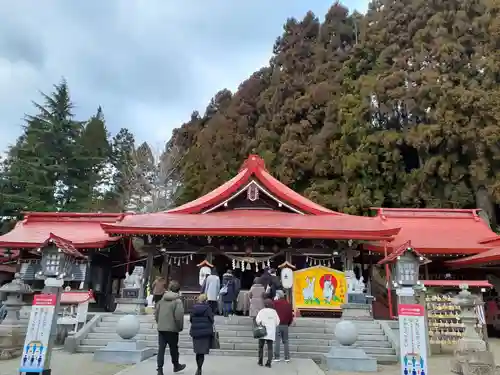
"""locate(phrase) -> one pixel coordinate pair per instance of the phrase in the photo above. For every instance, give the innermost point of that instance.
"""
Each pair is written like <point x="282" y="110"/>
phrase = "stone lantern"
<point x="405" y="270"/>
<point x="56" y="262"/>
<point x="12" y="331"/>
<point x="471" y="354"/>
<point x="405" y="267"/>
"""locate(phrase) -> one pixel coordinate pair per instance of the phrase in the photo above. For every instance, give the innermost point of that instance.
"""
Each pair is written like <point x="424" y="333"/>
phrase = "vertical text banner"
<point x="37" y="335"/>
<point x="413" y="341"/>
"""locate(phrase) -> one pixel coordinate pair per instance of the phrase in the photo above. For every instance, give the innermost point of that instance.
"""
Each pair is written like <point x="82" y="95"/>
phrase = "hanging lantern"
<point x="179" y="262"/>
<point x="249" y="267"/>
<point x="191" y="257"/>
<point x="256" y="267"/>
<point x="234" y="264"/>
<point x="242" y="266"/>
<point x="169" y="260"/>
<point x="268" y="263"/>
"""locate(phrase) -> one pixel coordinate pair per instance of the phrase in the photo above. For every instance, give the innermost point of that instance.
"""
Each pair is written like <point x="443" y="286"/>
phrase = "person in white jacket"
<point x="269" y="319"/>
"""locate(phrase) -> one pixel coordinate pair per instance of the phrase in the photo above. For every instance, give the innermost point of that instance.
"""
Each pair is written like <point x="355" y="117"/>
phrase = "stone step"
<point x="245" y="320"/>
<point x="295" y="346"/>
<point x="381" y="358"/>
<point x="106" y="337"/>
<point x="248" y="333"/>
<point x="146" y="329"/>
<point x="248" y="328"/>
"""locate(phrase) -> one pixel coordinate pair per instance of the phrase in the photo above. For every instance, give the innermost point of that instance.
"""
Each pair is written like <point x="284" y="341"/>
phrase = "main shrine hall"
<point x="249" y="223"/>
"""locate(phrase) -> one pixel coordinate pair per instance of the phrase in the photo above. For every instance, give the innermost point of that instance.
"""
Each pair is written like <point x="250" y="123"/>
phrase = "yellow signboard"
<point x="319" y="288"/>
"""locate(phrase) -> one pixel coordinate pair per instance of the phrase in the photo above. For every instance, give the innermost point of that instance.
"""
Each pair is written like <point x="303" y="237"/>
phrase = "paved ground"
<point x="64" y="363"/>
<point x="229" y="365"/>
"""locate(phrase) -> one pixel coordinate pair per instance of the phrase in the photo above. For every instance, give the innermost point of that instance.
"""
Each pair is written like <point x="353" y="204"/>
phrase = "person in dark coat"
<point x="228" y="292"/>
<point x="202" y="330"/>
<point x="265" y="278"/>
<point x="271" y="282"/>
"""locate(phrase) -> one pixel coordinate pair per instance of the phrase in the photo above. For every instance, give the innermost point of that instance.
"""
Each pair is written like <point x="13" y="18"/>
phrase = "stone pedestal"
<point x="357" y="311"/>
<point x="12" y="328"/>
<point x="347" y="357"/>
<point x="11" y="340"/>
<point x="127" y="352"/>
<point x="350" y="359"/>
<point x="471" y="355"/>
<point x="133" y="306"/>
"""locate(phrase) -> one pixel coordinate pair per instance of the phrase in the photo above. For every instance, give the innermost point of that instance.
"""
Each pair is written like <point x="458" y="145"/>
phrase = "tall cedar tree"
<point x="57" y="163"/>
<point x="398" y="107"/>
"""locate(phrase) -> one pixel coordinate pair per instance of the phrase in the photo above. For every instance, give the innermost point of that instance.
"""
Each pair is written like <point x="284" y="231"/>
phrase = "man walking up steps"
<point x="169" y="315"/>
<point x="285" y="313"/>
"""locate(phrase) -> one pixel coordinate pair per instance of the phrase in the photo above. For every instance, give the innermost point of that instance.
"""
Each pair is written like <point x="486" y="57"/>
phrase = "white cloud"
<point x="149" y="64"/>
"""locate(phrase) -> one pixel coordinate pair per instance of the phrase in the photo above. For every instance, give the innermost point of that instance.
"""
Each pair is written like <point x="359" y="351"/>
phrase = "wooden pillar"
<point x="148" y="270"/>
<point x="165" y="267"/>
<point x="288" y="292"/>
<point x="388" y="280"/>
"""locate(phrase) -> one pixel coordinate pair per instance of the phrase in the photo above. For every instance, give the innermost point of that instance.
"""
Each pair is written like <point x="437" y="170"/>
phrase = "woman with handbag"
<point x="265" y="330"/>
<point x="202" y="330"/>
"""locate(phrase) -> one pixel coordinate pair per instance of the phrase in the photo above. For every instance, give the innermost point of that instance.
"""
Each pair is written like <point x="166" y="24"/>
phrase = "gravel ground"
<point x="65" y="363"/>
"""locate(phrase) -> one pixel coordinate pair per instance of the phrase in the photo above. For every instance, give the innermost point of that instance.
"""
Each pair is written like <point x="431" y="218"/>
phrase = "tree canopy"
<point x="60" y="163"/>
<point x="397" y="107"/>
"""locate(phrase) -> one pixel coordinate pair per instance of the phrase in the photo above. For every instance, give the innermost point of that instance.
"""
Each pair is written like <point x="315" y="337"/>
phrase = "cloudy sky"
<point x="148" y="63"/>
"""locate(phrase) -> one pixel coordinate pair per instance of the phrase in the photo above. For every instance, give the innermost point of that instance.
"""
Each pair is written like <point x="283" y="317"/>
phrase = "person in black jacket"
<point x="202" y="330"/>
<point x="228" y="292"/>
<point x="273" y="284"/>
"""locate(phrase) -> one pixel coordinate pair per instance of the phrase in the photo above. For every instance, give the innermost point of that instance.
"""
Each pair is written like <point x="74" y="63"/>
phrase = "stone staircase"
<point x="309" y="337"/>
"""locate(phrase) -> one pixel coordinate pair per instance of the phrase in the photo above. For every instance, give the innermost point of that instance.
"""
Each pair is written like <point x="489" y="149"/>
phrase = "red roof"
<point x="491" y="241"/>
<point x="64" y="245"/>
<point x="399" y="251"/>
<point x="83" y="230"/>
<point x="491" y="256"/>
<point x="254" y="223"/>
<point x="435" y="231"/>
<point x="253" y="168"/>
<point x="77" y="296"/>
<point x="7" y="268"/>
<point x="457" y="283"/>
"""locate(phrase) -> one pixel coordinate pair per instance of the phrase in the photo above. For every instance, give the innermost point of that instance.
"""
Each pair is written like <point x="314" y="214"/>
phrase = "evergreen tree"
<point x="57" y="162"/>
<point x="118" y="197"/>
<point x="95" y="154"/>
<point x="398" y="107"/>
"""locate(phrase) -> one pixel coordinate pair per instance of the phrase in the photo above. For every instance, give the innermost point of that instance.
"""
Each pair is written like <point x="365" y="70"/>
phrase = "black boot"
<point x="179" y="368"/>
<point x="159" y="371"/>
<point x="268" y="364"/>
<point x="198" y="372"/>
<point x="260" y="362"/>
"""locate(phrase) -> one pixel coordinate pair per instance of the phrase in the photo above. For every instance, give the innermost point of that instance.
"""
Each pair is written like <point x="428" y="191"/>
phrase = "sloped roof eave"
<point x="253" y="166"/>
<point x="491" y="256"/>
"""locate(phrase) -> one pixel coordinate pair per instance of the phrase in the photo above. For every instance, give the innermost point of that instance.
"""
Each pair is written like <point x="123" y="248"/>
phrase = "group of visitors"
<point x="227" y="292"/>
<point x="271" y="312"/>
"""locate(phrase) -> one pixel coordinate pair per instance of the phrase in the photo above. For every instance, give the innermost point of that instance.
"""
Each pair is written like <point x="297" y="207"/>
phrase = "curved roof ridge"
<point x="253" y="166"/>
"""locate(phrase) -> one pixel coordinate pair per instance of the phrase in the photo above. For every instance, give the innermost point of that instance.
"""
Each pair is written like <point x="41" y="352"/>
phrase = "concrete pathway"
<point x="228" y="365"/>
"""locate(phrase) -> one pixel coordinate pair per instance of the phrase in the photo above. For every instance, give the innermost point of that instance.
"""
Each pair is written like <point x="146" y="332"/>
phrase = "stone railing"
<point x="74" y="339"/>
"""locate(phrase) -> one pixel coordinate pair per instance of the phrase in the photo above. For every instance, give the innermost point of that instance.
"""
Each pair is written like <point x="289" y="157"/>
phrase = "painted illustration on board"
<point x="319" y="287"/>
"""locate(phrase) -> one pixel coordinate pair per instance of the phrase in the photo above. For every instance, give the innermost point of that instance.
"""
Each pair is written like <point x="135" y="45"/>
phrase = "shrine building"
<point x="251" y="222"/>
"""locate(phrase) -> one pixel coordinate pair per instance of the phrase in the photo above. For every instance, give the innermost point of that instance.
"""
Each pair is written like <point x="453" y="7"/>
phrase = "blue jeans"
<point x="227" y="308"/>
